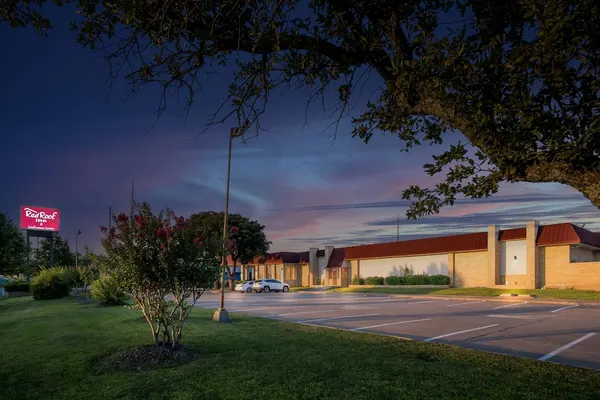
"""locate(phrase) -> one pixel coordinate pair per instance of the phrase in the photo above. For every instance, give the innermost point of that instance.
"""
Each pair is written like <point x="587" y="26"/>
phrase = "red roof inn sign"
<point x="40" y="219"/>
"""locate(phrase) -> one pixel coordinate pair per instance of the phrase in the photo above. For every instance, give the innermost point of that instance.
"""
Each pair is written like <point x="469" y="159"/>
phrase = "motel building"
<point x="530" y="257"/>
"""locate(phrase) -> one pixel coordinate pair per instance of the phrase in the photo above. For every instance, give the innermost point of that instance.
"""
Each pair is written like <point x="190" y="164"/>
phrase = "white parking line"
<point x="509" y="316"/>
<point x="468" y="302"/>
<point x="303" y="312"/>
<point x="565" y="308"/>
<point x="566" y="346"/>
<point x="509" y="305"/>
<point x="391" y="323"/>
<point x="332" y="318"/>
<point x="459" y="332"/>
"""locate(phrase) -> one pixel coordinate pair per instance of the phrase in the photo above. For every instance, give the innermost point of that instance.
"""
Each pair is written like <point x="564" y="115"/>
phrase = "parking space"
<point x="568" y="334"/>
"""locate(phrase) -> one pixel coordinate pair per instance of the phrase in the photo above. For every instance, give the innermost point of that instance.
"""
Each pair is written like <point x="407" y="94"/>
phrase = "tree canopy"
<point x="518" y="79"/>
<point x="246" y="238"/>
<point x="62" y="252"/>
<point x="13" y="247"/>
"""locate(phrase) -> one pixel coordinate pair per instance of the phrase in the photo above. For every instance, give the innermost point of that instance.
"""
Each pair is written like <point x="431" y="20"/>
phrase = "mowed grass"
<point x="49" y="350"/>
<point x="486" y="292"/>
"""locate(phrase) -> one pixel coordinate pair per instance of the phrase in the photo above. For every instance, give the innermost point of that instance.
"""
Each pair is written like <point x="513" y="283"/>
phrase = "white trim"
<point x="459" y="332"/>
<point x="391" y="323"/>
<point x="566" y="346"/>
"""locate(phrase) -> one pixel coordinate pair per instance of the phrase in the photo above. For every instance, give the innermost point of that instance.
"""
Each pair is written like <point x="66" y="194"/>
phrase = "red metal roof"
<point x="436" y="245"/>
<point x="566" y="233"/>
<point x="338" y="255"/>
<point x="513" y="234"/>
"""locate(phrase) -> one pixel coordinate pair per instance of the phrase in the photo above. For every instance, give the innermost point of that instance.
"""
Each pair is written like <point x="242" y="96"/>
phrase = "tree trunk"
<point x="231" y="276"/>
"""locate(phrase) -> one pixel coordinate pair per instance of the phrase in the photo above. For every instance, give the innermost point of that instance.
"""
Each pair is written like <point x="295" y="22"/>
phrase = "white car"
<point x="268" y="285"/>
<point x="244" y="287"/>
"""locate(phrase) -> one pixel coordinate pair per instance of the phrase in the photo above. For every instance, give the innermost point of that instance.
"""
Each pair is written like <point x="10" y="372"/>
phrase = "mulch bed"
<point x="144" y="358"/>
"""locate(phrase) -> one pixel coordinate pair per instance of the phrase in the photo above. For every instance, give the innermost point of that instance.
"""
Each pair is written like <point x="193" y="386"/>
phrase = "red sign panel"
<point x="40" y="218"/>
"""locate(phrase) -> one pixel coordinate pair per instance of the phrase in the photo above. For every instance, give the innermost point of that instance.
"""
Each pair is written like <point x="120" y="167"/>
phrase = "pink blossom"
<point x="122" y="217"/>
<point x="139" y="220"/>
<point x="168" y="232"/>
<point x="103" y="229"/>
<point x="234" y="229"/>
<point x="180" y="220"/>
<point x="198" y="242"/>
<point x="160" y="232"/>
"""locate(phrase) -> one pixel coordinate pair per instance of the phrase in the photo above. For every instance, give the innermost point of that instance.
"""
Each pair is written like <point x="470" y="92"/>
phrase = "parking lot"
<point x="565" y="334"/>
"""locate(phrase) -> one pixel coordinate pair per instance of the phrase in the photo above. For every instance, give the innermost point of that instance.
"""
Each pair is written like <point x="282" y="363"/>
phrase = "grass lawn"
<point x="48" y="350"/>
<point x="547" y="293"/>
<point x="301" y="289"/>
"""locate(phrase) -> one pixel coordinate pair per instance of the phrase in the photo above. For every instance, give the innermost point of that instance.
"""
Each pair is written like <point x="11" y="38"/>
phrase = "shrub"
<point x="357" y="281"/>
<point x="417" y="280"/>
<point x="51" y="283"/>
<point x="70" y="275"/>
<point x="395" y="280"/>
<point x="439" y="280"/>
<point x="107" y="292"/>
<point x="374" y="280"/>
<point x="17" y="287"/>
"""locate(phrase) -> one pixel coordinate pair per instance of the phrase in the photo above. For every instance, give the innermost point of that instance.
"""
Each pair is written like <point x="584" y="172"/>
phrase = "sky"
<point x="71" y="140"/>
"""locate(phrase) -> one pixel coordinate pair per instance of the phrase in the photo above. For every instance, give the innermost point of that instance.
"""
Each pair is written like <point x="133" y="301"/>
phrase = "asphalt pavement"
<point x="560" y="333"/>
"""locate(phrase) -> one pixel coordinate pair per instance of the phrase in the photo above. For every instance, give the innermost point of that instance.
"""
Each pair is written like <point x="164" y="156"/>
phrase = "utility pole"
<point x="221" y="315"/>
<point x="77" y="247"/>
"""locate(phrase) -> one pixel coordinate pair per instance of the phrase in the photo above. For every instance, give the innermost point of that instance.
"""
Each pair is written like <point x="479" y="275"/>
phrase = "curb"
<point x="507" y="299"/>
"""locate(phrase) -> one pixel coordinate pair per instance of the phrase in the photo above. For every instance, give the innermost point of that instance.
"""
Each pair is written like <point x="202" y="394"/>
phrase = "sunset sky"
<point x="68" y="143"/>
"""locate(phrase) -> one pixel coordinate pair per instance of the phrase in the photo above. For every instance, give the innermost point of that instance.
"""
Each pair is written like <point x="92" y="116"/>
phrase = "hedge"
<point x="17" y="287"/>
<point x="405" y="280"/>
<point x="357" y="281"/>
<point x="374" y="280"/>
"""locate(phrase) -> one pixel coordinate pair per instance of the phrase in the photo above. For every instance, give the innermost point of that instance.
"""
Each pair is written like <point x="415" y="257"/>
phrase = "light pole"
<point x="77" y="248"/>
<point x="221" y="315"/>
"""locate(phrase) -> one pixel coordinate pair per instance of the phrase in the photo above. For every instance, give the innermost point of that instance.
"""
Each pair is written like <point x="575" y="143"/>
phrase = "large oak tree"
<point x="517" y="78"/>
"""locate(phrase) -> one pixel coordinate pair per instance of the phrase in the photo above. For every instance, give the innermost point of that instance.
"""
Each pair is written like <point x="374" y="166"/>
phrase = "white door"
<point x="277" y="285"/>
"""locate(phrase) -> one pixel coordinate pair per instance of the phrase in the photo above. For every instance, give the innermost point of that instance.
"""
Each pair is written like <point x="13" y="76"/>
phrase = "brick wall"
<point x="559" y="272"/>
<point x="470" y="269"/>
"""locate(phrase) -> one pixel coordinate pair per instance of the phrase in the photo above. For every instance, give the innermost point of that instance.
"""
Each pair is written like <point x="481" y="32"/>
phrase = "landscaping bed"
<point x="52" y="350"/>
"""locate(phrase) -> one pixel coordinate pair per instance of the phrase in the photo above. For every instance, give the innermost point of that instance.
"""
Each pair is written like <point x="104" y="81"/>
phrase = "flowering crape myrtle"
<point x="162" y="262"/>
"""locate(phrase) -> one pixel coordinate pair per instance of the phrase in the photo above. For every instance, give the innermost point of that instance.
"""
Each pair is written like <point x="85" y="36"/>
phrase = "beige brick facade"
<point x="560" y="272"/>
<point x="470" y="269"/>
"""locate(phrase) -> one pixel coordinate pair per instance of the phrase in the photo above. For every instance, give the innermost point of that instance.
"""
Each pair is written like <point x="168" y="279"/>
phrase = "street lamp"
<point x="221" y="315"/>
<point x="77" y="248"/>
